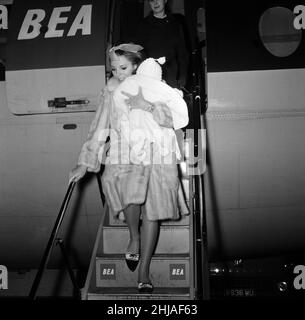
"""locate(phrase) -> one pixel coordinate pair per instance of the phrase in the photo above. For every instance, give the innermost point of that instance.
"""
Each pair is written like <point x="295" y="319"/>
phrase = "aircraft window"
<point x="277" y="32"/>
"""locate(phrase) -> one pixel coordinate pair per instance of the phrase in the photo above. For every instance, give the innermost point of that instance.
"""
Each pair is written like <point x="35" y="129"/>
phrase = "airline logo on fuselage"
<point x="298" y="21"/>
<point x="3" y="278"/>
<point x="3" y="17"/>
<point x="34" y="22"/>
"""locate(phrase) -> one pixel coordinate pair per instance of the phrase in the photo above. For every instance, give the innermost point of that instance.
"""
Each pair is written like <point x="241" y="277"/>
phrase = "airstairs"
<point x="171" y="270"/>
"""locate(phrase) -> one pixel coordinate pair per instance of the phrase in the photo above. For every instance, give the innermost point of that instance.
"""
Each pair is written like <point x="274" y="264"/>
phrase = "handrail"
<point x="53" y="239"/>
<point x="200" y="241"/>
<point x="51" y="242"/>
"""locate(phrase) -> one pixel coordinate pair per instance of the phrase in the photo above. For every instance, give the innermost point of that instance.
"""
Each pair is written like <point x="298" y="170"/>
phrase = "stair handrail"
<point x="200" y="223"/>
<point x="53" y="239"/>
<point x="51" y="242"/>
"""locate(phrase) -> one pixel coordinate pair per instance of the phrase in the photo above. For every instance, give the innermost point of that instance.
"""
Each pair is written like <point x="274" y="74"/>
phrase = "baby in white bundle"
<point x="138" y="126"/>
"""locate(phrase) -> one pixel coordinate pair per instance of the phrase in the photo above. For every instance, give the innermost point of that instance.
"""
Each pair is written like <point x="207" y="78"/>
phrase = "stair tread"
<point x="161" y="227"/>
<point x="123" y="291"/>
<point x="111" y="256"/>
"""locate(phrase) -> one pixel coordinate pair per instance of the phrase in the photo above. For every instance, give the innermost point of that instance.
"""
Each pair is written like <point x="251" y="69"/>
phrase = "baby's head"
<point x="151" y="68"/>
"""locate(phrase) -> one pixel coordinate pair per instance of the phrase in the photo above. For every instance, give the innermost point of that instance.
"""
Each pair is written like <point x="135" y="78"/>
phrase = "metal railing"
<point x="54" y="240"/>
<point x="199" y="210"/>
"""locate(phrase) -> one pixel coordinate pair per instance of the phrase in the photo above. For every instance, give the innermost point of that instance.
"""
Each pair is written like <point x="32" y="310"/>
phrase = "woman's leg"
<point x="132" y="216"/>
<point x="149" y="236"/>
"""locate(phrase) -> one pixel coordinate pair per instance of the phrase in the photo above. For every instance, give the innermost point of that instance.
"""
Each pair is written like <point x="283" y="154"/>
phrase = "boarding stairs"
<point x="171" y="269"/>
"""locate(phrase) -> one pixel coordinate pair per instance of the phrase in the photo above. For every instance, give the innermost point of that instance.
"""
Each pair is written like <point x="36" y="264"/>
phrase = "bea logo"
<point x="177" y="271"/>
<point x="32" y="23"/>
<point x="33" y="19"/>
<point x="3" y="278"/>
<point x="299" y="280"/>
<point x="3" y="17"/>
<point x="108" y="271"/>
<point x="299" y="20"/>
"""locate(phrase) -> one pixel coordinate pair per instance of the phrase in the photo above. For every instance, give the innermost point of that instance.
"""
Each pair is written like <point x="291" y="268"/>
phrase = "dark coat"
<point x="164" y="37"/>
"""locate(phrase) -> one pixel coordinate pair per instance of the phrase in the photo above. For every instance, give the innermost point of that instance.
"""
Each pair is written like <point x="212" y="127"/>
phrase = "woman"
<point x="128" y="187"/>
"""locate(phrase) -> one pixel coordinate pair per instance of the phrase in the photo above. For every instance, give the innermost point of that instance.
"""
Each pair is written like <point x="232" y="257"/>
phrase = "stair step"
<point x="172" y="239"/>
<point x="183" y="221"/>
<point x="171" y="269"/>
<point x="159" y="256"/>
<point x="172" y="272"/>
<point x="122" y="293"/>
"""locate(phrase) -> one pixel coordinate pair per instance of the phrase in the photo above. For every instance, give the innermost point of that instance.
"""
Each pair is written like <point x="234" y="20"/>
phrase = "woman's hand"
<point x="137" y="101"/>
<point x="162" y="115"/>
<point x="77" y="173"/>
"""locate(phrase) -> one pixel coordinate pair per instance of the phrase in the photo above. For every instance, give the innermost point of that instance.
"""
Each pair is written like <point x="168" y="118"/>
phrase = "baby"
<point x="138" y="126"/>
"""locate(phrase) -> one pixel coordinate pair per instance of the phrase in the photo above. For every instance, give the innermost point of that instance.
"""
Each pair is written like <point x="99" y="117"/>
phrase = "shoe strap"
<point x="142" y="285"/>
<point x="132" y="256"/>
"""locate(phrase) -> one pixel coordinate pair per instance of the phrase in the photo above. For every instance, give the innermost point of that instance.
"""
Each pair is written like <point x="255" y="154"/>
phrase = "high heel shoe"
<point x="132" y="260"/>
<point x="145" y="287"/>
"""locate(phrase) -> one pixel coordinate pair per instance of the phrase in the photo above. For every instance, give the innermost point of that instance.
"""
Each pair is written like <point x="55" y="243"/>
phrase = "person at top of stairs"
<point x="134" y="189"/>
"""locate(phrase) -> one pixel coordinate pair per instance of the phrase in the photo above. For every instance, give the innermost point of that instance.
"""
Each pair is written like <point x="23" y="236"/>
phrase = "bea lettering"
<point x="31" y="26"/>
<point x="3" y="17"/>
<point x="299" y="281"/>
<point x="3" y="278"/>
